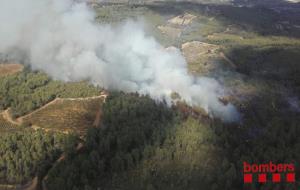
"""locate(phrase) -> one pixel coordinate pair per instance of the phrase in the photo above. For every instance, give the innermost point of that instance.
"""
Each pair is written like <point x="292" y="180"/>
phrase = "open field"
<point x="66" y="115"/>
<point x="9" y="69"/>
<point x="202" y="57"/>
<point x="251" y="39"/>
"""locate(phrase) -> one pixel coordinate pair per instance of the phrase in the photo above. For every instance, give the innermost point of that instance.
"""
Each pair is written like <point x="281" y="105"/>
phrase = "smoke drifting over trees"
<point x="61" y="38"/>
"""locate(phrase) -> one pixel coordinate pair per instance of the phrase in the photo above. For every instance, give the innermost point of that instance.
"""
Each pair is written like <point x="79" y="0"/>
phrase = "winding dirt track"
<point x="34" y="183"/>
<point x="19" y="121"/>
<point x="6" y="116"/>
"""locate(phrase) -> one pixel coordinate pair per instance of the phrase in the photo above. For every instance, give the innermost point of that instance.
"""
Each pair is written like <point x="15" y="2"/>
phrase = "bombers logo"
<point x="278" y="172"/>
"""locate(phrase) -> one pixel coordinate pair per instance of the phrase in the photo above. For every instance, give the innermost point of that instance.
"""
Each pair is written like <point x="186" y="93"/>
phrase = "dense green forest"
<point x="27" y="91"/>
<point x="146" y="145"/>
<point x="130" y="123"/>
<point x="26" y="153"/>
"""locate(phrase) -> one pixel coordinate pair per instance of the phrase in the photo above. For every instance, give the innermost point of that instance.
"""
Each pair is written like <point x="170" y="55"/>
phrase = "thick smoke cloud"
<point x="61" y="38"/>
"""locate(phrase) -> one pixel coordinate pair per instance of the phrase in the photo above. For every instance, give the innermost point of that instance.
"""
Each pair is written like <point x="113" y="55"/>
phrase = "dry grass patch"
<point x="200" y="56"/>
<point x="66" y="115"/>
<point x="9" y="69"/>
<point x="176" y="25"/>
<point x="182" y="20"/>
<point x="170" y="31"/>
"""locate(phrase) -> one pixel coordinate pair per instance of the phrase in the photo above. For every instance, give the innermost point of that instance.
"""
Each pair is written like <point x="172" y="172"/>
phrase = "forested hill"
<point x="146" y="145"/>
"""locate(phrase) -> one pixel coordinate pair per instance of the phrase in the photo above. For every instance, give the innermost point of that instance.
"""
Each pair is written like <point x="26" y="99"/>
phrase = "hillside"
<point x="60" y="129"/>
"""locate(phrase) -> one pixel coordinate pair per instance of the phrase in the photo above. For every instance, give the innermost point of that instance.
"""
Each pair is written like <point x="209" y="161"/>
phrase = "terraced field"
<point x="66" y="115"/>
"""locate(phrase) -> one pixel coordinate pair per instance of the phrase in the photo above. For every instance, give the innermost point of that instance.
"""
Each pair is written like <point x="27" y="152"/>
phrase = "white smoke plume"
<point x="61" y="38"/>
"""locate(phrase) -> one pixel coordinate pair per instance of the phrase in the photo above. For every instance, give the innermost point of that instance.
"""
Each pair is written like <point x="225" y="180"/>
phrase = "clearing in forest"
<point x="66" y="115"/>
<point x="9" y="69"/>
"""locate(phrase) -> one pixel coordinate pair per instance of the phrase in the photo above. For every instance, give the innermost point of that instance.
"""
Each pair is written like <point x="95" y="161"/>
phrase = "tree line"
<point x="26" y="153"/>
<point x="27" y="91"/>
<point x="148" y="145"/>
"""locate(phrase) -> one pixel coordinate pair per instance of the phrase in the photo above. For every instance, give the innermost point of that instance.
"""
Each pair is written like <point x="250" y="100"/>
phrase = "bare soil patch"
<point x="10" y="68"/>
<point x="170" y="31"/>
<point x="201" y="57"/>
<point x="67" y="115"/>
<point x="182" y="20"/>
<point x="176" y="25"/>
<point x="62" y="115"/>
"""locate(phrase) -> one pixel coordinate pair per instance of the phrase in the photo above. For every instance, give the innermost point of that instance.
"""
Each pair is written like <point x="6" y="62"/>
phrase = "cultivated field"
<point x="66" y="115"/>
